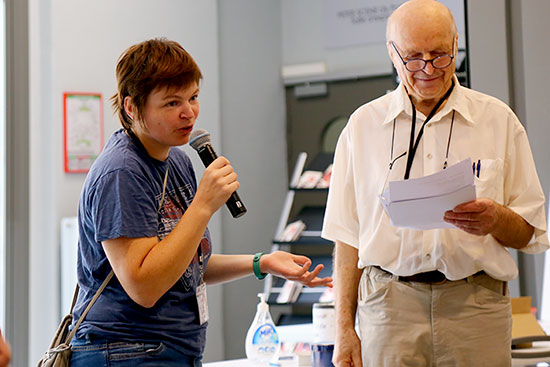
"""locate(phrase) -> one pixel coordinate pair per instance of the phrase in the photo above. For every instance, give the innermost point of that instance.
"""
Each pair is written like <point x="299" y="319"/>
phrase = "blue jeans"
<point x="128" y="354"/>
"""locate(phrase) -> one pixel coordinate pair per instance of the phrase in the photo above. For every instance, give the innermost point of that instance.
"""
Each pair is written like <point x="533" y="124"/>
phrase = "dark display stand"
<point x="309" y="243"/>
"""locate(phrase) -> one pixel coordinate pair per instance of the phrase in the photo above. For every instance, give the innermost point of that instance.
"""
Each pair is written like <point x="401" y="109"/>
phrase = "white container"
<point x="262" y="341"/>
<point x="324" y="322"/>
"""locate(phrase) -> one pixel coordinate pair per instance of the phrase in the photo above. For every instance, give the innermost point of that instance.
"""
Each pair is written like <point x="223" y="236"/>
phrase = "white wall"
<point x="305" y="35"/>
<point x="74" y="47"/>
<point x="2" y="164"/>
<point x="303" y="41"/>
<point x="535" y="29"/>
<point x="487" y="41"/>
<point x="254" y="139"/>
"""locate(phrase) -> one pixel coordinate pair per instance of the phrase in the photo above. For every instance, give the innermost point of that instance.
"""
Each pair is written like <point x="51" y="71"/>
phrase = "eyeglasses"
<point x="440" y="62"/>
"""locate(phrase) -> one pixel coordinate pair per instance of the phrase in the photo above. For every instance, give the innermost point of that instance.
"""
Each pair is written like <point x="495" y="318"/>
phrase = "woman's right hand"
<point x="218" y="182"/>
<point x="147" y="271"/>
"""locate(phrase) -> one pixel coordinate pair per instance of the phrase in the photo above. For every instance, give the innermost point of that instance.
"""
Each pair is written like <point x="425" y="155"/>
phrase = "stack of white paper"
<point x="420" y="203"/>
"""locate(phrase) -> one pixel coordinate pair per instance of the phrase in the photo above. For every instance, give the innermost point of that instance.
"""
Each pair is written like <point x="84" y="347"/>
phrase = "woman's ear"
<point x="129" y="107"/>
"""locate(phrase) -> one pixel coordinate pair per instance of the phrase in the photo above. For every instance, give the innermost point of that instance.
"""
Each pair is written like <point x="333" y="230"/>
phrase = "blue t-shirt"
<point x="121" y="198"/>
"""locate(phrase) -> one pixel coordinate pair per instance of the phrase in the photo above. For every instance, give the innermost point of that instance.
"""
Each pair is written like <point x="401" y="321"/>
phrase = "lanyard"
<point x="393" y="160"/>
<point x="413" y="144"/>
<point x="182" y="205"/>
<point x="180" y="201"/>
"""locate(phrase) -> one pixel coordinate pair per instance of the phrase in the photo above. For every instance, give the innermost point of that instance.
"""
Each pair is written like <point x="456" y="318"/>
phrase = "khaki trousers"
<point x="464" y="323"/>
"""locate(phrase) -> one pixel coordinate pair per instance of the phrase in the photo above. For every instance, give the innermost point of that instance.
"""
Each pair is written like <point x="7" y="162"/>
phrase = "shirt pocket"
<point x="489" y="179"/>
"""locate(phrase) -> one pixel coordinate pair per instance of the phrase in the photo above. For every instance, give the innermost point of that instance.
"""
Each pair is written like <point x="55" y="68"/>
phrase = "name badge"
<point x="202" y="302"/>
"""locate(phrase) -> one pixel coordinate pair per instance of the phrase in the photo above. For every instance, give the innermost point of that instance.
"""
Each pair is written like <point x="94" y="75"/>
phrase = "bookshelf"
<point x="308" y="242"/>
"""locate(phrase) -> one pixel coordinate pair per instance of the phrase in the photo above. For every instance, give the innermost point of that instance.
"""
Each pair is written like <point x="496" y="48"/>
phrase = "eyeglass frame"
<point x="431" y="61"/>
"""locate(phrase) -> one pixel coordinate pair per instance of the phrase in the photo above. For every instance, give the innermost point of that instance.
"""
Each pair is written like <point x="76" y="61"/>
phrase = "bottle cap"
<point x="262" y="306"/>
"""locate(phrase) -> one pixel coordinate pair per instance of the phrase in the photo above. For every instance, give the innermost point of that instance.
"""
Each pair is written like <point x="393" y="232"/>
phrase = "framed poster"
<point x="83" y="130"/>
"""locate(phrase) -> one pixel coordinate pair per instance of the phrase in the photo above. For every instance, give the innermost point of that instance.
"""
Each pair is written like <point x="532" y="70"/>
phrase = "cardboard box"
<point x="523" y="321"/>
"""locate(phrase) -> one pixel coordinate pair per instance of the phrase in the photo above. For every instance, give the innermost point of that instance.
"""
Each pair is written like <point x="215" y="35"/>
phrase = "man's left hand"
<point x="293" y="267"/>
<point x="478" y="217"/>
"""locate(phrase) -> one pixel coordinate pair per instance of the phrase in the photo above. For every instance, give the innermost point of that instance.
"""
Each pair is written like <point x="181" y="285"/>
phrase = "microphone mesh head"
<point x="199" y="138"/>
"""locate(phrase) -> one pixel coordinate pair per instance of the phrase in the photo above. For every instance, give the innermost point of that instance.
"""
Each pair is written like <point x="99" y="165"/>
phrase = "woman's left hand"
<point x="293" y="267"/>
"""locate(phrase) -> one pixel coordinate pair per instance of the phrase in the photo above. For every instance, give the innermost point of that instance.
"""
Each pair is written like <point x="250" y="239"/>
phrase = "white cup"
<point x="324" y="322"/>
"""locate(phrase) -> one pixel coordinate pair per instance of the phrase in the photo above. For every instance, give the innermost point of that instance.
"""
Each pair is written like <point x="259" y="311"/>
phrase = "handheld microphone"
<point x="200" y="141"/>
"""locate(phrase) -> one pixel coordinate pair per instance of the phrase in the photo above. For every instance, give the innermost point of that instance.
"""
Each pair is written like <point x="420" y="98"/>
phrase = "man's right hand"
<point x="347" y="349"/>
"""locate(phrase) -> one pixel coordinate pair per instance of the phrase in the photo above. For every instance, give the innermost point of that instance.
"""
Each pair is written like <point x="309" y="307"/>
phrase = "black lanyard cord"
<point x="392" y="140"/>
<point x="413" y="145"/>
<point x="393" y="160"/>
<point x="449" y="140"/>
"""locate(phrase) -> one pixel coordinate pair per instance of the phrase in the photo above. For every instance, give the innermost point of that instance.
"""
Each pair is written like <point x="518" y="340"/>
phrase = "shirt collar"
<point x="400" y="103"/>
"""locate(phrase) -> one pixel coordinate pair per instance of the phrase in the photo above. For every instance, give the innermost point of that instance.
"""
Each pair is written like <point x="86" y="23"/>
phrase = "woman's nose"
<point x="187" y="111"/>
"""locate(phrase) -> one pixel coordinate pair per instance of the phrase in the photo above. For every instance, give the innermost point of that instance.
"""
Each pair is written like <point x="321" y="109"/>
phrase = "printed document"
<point x="420" y="203"/>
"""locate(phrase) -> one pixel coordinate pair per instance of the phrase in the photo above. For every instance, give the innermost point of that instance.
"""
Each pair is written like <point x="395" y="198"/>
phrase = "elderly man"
<point x="434" y="297"/>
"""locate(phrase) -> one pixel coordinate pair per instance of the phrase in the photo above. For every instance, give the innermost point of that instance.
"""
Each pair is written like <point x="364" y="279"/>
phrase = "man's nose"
<point x="429" y="68"/>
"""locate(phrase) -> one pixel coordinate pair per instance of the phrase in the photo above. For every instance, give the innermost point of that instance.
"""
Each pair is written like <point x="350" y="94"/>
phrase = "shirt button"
<point x="429" y="156"/>
<point x="428" y="256"/>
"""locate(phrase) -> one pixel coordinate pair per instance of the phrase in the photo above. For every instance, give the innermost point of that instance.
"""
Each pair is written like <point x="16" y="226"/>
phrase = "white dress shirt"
<point x="484" y="129"/>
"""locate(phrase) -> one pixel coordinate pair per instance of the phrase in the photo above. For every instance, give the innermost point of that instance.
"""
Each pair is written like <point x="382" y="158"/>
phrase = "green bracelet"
<point x="256" y="266"/>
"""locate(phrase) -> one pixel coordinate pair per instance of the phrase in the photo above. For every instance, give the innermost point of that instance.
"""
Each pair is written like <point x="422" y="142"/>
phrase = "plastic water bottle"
<point x="262" y="340"/>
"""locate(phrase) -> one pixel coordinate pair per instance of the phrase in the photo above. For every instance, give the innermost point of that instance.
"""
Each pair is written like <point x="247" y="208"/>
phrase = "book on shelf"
<point x="324" y="181"/>
<point x="292" y="231"/>
<point x="309" y="179"/>
<point x="290" y="292"/>
<point x="327" y="296"/>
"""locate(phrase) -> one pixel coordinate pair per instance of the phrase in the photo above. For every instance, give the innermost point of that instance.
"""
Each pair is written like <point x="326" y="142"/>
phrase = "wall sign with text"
<point x="360" y="22"/>
<point x="83" y="130"/>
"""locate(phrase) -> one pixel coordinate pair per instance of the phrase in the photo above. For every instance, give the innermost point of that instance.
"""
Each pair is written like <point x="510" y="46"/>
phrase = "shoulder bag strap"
<point x="90" y="304"/>
<point x="75" y="296"/>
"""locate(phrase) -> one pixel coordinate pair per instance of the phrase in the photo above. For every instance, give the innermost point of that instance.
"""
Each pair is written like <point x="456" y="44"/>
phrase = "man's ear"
<point x="129" y="107"/>
<point x="456" y="45"/>
<point x="392" y="55"/>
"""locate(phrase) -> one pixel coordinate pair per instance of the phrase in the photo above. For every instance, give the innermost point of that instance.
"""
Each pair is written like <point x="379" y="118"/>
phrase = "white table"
<point x="288" y="333"/>
<point x="233" y="363"/>
<point x="247" y="363"/>
<point x="537" y="347"/>
<point x="531" y="362"/>
<point x="305" y="333"/>
<point x="539" y="362"/>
